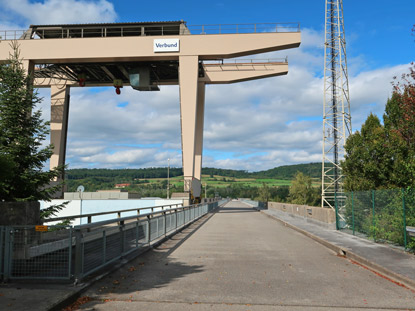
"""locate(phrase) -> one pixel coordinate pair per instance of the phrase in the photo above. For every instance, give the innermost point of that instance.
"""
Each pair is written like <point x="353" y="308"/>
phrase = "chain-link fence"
<point x="381" y="215"/>
<point x="74" y="252"/>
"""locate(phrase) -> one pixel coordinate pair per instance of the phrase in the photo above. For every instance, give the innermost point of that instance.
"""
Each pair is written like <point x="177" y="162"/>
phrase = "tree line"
<point x="286" y="172"/>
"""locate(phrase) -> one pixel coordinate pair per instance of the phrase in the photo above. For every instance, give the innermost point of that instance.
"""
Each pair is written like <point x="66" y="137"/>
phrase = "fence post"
<point x="148" y="230"/>
<point x="373" y="215"/>
<point x="404" y="218"/>
<point x="353" y="212"/>
<point x="176" y="213"/>
<point x="104" y="246"/>
<point x="78" y="255"/>
<point x="1" y="252"/>
<point x="8" y="253"/>
<point x="165" y="223"/>
<point x="122" y="236"/>
<point x="337" y="211"/>
<point x="137" y="233"/>
<point x="70" y="253"/>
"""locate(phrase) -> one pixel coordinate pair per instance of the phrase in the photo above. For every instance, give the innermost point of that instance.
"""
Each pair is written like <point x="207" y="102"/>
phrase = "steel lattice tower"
<point x="336" y="113"/>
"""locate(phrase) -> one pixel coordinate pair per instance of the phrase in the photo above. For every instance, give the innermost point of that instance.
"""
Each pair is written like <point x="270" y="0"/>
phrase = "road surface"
<point x="240" y="259"/>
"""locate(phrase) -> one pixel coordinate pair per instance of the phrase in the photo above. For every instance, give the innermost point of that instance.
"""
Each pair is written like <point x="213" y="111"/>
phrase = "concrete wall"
<point x="19" y="213"/>
<point x="325" y="215"/>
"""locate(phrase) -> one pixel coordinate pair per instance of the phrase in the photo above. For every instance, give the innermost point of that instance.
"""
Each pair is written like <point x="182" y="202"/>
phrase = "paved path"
<point x="385" y="258"/>
<point x="240" y="259"/>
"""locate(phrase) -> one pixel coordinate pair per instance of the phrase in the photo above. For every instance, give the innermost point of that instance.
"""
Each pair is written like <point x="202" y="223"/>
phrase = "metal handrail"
<point x="242" y="61"/>
<point x="11" y="34"/>
<point x="115" y="212"/>
<point x="122" y="220"/>
<point x="243" y="28"/>
<point x="156" y="30"/>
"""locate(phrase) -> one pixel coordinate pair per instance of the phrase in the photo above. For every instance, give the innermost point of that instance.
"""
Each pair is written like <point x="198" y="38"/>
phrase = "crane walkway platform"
<point x="234" y="259"/>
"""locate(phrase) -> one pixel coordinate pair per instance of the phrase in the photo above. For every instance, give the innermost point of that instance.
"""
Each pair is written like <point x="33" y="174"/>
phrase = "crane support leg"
<point x="188" y="77"/>
<point x="59" y="111"/>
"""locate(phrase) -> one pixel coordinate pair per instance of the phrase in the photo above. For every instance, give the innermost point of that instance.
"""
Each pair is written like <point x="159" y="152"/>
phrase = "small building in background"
<point x="121" y="186"/>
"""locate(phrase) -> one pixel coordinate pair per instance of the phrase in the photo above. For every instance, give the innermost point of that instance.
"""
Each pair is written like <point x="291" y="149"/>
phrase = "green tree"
<point x="264" y="193"/>
<point x="22" y="132"/>
<point x="383" y="156"/>
<point x="367" y="163"/>
<point x="301" y="190"/>
<point x="402" y="127"/>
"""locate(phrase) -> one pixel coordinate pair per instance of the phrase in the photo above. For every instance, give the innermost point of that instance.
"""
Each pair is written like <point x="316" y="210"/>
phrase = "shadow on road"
<point x="236" y="210"/>
<point x="153" y="269"/>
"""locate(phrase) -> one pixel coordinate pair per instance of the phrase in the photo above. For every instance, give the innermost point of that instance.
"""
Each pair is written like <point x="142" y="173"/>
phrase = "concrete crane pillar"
<point x="59" y="111"/>
<point x="200" y="116"/>
<point x="188" y="77"/>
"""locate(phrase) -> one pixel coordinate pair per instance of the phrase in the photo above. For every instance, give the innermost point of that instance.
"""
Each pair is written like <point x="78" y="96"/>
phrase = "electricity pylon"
<point x="337" y="124"/>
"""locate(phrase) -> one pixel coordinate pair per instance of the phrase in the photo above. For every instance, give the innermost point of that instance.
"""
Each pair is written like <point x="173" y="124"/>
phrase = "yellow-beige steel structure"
<point x="75" y="45"/>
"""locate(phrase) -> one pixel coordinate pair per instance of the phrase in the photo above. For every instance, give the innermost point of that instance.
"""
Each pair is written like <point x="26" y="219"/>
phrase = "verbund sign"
<point x="166" y="45"/>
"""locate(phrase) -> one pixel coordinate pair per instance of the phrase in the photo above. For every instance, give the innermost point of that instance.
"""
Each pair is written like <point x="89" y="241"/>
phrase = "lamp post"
<point x="168" y="178"/>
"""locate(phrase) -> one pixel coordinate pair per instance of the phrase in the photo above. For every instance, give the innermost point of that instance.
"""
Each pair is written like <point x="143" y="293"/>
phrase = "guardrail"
<point x="148" y="30"/>
<point x="119" y="213"/>
<point x="243" y="28"/>
<point x="11" y="34"/>
<point x="243" y="61"/>
<point x="74" y="252"/>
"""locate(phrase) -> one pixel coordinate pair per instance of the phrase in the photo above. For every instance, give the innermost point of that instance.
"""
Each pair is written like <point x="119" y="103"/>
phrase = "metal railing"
<point x="11" y="34"/>
<point x="149" y="30"/>
<point x="74" y="252"/>
<point x="243" y="28"/>
<point x="119" y="213"/>
<point x="243" y="61"/>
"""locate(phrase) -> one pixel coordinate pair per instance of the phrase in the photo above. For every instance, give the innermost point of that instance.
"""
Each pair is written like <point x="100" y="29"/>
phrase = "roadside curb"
<point x="68" y="299"/>
<point x="370" y="265"/>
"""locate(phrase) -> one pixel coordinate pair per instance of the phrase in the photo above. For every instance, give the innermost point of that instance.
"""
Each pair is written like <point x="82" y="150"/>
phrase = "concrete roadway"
<point x="240" y="259"/>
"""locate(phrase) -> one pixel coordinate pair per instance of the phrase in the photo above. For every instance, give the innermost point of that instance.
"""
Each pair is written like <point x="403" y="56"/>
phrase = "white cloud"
<point x="58" y="11"/>
<point x="253" y="125"/>
<point x="126" y="157"/>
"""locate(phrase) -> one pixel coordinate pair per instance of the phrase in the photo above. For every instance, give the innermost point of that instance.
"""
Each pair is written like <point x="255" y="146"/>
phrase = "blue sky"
<point x="252" y="125"/>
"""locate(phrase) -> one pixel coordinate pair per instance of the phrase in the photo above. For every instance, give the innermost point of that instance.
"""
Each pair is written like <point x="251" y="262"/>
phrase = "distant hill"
<point x="151" y="172"/>
<point x="119" y="175"/>
<point x="288" y="171"/>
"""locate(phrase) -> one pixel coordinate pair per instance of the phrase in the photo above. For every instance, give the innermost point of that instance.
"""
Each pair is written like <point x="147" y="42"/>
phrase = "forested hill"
<point x="288" y="171"/>
<point x="282" y="172"/>
<point x="127" y="174"/>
